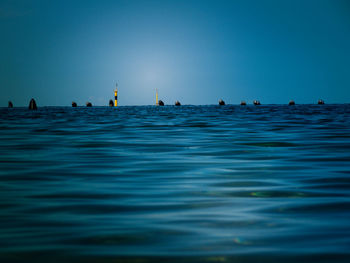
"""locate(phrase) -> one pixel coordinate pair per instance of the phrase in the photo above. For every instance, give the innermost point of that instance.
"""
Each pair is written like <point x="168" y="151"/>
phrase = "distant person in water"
<point x="160" y="103"/>
<point x="221" y="102"/>
<point x="256" y="102"/>
<point x="292" y="102"/>
<point x="10" y="105"/>
<point x="177" y="103"/>
<point x="243" y="103"/>
<point x="74" y="104"/>
<point x="88" y="104"/>
<point x="320" y="102"/>
<point x="32" y="105"/>
<point x="111" y="104"/>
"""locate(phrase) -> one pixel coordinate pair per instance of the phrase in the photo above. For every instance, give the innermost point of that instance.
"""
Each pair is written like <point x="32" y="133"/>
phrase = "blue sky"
<point x="192" y="51"/>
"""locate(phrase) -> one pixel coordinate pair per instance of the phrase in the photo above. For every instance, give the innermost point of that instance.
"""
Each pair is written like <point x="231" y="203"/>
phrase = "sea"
<point x="268" y="183"/>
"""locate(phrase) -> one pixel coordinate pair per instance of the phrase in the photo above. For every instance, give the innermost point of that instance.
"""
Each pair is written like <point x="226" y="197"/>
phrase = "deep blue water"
<point x="175" y="184"/>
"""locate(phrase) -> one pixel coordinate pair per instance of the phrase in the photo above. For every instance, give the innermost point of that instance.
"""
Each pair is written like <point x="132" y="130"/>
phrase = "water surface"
<point x="175" y="184"/>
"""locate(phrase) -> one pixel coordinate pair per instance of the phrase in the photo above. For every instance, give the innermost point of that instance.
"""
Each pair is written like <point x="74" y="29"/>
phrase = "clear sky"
<point x="193" y="51"/>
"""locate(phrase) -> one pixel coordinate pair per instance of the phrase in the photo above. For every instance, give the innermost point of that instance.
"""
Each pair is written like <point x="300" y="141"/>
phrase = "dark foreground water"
<point x="175" y="184"/>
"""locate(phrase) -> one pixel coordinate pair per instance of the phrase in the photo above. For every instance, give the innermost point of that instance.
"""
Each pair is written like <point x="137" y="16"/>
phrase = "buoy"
<point x="221" y="102"/>
<point x="320" y="102"/>
<point x="10" y="105"/>
<point x="88" y="104"/>
<point x="116" y="95"/>
<point x="291" y="102"/>
<point x="256" y="102"/>
<point x="243" y="103"/>
<point x="32" y="105"/>
<point x="157" y="102"/>
<point x="110" y="103"/>
<point x="74" y="104"/>
<point x="177" y="103"/>
<point x="160" y="103"/>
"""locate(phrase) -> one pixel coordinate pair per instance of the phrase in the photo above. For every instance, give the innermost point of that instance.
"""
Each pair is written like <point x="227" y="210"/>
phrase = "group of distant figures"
<point x="256" y="102"/>
<point x="33" y="106"/>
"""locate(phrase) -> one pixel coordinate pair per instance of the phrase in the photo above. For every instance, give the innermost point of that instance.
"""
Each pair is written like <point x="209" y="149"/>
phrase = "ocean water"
<point x="263" y="183"/>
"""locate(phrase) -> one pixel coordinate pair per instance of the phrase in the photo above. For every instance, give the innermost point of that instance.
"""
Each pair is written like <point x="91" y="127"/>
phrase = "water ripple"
<point x="175" y="184"/>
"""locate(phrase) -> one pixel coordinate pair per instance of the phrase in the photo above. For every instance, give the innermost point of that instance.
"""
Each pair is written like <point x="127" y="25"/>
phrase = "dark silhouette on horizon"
<point x="32" y="105"/>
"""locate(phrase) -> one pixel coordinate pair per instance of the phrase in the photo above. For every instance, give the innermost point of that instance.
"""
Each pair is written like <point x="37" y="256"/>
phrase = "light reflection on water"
<point x="189" y="183"/>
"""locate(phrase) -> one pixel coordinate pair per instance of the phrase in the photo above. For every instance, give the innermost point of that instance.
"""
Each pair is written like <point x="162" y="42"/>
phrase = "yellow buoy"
<point x="116" y="96"/>
<point x="157" y="97"/>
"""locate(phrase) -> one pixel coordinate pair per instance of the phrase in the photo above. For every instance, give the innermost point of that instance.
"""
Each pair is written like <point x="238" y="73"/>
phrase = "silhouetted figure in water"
<point x="320" y="102"/>
<point x="292" y="102"/>
<point x="160" y="103"/>
<point x="88" y="104"/>
<point x="243" y="103"/>
<point x="10" y="105"/>
<point x="111" y="103"/>
<point x="221" y="102"/>
<point x="177" y="103"/>
<point x="256" y="102"/>
<point x="32" y="105"/>
<point x="74" y="104"/>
